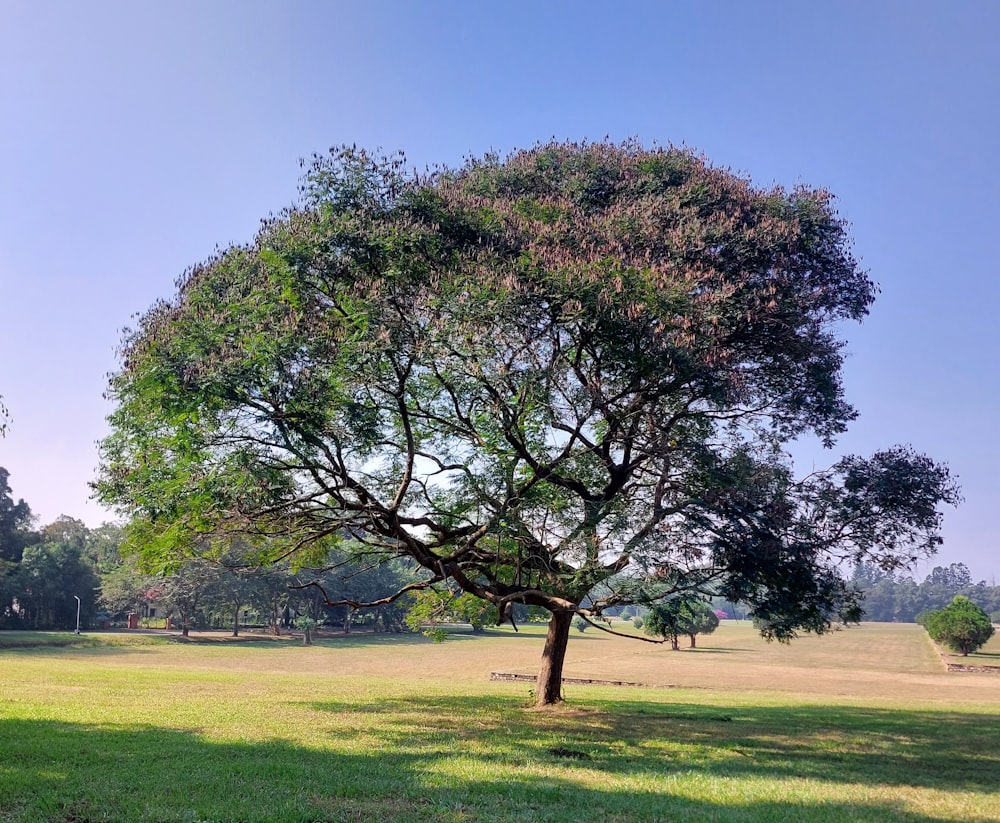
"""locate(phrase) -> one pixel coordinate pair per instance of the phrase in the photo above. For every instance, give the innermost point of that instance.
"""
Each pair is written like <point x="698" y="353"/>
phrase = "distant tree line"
<point x="44" y="570"/>
<point x="894" y="597"/>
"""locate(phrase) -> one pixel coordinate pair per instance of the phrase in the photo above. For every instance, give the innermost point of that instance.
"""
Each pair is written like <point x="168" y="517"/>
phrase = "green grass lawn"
<point x="861" y="725"/>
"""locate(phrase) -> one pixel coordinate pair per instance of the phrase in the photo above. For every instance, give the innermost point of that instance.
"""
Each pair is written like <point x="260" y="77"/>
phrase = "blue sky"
<point x="137" y="137"/>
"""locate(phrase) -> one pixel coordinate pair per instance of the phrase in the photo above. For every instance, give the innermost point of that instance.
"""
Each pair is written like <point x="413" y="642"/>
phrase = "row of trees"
<point x="227" y="592"/>
<point x="897" y="597"/>
<point x="43" y="571"/>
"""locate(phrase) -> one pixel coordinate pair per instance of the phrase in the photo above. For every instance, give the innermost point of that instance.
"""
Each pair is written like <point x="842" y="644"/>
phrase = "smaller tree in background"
<point x="961" y="626"/>
<point x="703" y="620"/>
<point x="431" y="607"/>
<point x="186" y="588"/>
<point x="680" y="615"/>
<point x="307" y="625"/>
<point x="123" y="588"/>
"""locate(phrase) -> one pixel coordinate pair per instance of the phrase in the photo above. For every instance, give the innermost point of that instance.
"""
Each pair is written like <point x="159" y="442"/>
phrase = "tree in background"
<point x="962" y="626"/>
<point x="434" y="606"/>
<point x="703" y="620"/>
<point x="123" y="588"/>
<point x="346" y="579"/>
<point x="234" y="589"/>
<point x="680" y="616"/>
<point x="186" y="590"/>
<point x="896" y="597"/>
<point x="15" y="522"/>
<point x="307" y="625"/>
<point x="529" y="377"/>
<point x="43" y="571"/>
<point x="53" y="573"/>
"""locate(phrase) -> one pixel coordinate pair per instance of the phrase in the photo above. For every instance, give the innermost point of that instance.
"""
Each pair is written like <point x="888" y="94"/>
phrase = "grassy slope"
<point x="862" y="725"/>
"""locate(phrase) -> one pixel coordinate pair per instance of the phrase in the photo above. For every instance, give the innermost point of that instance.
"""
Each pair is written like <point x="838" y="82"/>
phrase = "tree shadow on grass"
<point x="74" y="773"/>
<point x="940" y="750"/>
<point x="937" y="750"/>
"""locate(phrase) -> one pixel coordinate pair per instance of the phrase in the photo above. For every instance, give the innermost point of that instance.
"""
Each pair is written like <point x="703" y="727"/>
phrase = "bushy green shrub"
<point x="680" y="615"/>
<point x="961" y="625"/>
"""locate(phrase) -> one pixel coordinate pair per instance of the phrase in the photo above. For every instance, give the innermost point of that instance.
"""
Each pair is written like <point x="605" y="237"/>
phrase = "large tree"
<point x="574" y="366"/>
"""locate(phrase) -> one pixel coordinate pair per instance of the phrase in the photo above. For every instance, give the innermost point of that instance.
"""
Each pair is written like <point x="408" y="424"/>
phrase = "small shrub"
<point x="637" y="622"/>
<point x="581" y="624"/>
<point x="307" y="626"/>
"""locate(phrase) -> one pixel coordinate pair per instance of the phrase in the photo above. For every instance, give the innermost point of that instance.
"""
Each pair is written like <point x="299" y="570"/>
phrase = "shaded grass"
<point x="12" y="640"/>
<point x="389" y="729"/>
<point x="651" y="763"/>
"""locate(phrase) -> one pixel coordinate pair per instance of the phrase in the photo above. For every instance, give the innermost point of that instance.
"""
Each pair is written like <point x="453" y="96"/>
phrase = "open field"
<point x="861" y="725"/>
<point x="988" y="655"/>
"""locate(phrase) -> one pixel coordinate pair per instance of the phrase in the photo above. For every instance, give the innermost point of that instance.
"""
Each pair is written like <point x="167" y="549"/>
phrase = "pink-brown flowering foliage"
<point x="562" y="378"/>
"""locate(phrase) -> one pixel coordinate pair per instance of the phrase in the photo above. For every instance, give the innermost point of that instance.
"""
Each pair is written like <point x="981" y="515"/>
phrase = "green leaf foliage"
<point x="568" y="371"/>
<point x="680" y="616"/>
<point x="961" y="626"/>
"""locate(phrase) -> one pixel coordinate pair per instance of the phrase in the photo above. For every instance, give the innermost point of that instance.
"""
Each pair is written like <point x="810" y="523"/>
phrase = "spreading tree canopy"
<point x="568" y="371"/>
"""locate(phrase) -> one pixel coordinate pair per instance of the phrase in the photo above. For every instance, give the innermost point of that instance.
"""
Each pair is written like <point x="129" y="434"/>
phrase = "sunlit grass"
<point x="397" y="728"/>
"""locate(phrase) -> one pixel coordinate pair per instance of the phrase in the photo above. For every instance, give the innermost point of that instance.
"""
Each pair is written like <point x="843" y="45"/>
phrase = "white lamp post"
<point x="77" y="615"/>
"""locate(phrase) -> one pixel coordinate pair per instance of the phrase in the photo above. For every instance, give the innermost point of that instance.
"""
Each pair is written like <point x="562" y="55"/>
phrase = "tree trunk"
<point x="548" y="690"/>
<point x="693" y="646"/>
<point x="275" y="619"/>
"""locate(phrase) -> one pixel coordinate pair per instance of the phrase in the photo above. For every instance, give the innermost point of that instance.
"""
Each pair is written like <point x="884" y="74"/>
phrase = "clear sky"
<point x="136" y="137"/>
